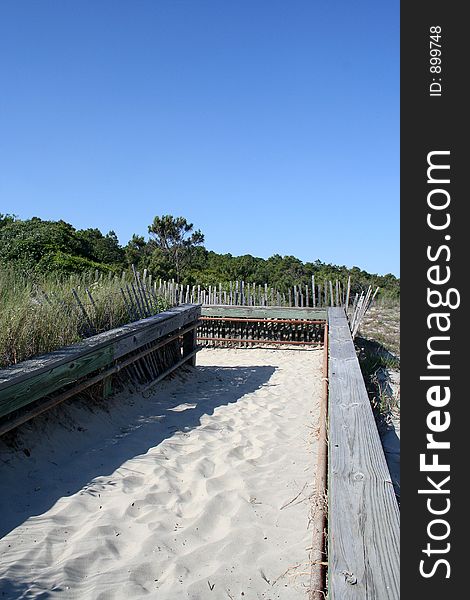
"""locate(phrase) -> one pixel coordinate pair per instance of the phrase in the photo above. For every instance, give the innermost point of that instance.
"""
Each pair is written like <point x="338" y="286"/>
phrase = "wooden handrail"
<point x="31" y="380"/>
<point x="363" y="516"/>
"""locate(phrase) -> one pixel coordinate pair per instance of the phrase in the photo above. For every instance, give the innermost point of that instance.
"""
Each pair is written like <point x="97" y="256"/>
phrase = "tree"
<point x="101" y="248"/>
<point x="37" y="246"/>
<point x="175" y="238"/>
<point x="136" y="251"/>
<point x="6" y="219"/>
<point x="26" y="243"/>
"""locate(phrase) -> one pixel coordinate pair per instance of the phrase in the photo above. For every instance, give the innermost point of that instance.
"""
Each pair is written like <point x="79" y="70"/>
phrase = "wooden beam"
<point x="264" y="312"/>
<point x="41" y="384"/>
<point x="30" y="380"/>
<point x="190" y="345"/>
<point x="363" y="522"/>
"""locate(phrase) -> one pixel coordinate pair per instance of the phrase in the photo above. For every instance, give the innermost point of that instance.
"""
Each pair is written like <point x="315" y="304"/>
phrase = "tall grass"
<point x="42" y="314"/>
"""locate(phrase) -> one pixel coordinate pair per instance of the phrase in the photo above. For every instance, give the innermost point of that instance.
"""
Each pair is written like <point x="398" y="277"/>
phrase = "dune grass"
<point x="378" y="344"/>
<point x="382" y="325"/>
<point x="42" y="314"/>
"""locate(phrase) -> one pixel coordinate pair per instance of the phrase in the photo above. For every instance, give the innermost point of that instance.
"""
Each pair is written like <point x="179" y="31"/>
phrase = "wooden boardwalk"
<point x="363" y="521"/>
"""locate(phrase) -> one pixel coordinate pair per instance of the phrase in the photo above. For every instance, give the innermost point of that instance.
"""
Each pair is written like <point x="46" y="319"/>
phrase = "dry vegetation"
<point x="382" y="325"/>
<point x="379" y="356"/>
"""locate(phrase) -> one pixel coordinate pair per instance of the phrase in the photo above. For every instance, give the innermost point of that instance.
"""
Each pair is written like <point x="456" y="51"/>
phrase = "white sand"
<point x="183" y="494"/>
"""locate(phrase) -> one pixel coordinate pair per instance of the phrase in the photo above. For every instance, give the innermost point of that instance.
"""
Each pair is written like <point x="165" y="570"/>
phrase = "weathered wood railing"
<point x="249" y="325"/>
<point x="33" y="386"/>
<point x="363" y="516"/>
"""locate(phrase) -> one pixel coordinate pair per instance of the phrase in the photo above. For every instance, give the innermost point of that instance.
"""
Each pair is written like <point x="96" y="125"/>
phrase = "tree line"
<point x="173" y="249"/>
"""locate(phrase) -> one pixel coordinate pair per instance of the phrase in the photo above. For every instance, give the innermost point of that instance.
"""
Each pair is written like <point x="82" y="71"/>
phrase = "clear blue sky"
<point x="272" y="125"/>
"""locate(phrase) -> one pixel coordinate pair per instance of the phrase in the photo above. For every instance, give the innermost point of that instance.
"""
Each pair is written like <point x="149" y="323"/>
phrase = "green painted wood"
<point x="31" y="389"/>
<point x="264" y="312"/>
<point x="33" y="379"/>
<point x="107" y="387"/>
<point x="363" y="515"/>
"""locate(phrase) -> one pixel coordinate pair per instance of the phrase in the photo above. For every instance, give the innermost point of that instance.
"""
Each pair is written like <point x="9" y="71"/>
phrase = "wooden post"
<point x="107" y="387"/>
<point x="189" y="345"/>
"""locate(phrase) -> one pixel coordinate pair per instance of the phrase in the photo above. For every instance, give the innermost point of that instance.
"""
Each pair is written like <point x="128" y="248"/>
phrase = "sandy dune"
<point x="197" y="491"/>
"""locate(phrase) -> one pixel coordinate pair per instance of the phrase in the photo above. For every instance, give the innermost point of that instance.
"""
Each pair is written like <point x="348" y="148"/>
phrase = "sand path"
<point x="182" y="494"/>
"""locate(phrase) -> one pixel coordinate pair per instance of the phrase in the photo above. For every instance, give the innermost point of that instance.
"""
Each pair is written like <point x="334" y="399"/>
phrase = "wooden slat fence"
<point x="253" y="325"/>
<point x="241" y="293"/>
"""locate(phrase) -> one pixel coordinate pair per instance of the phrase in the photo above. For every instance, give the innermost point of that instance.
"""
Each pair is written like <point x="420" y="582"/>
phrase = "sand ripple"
<point x="192" y="504"/>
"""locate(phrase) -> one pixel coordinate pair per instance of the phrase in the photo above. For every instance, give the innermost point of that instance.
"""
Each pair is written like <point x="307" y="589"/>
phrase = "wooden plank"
<point x="107" y="387"/>
<point x="28" y="390"/>
<point x="363" y="523"/>
<point x="190" y="345"/>
<point x="264" y="312"/>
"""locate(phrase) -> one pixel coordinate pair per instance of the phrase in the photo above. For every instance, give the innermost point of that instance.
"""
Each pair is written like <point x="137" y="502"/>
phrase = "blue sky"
<point x="272" y="125"/>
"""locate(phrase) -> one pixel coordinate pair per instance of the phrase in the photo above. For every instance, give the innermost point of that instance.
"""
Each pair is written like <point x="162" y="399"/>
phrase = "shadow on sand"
<point x="61" y="452"/>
